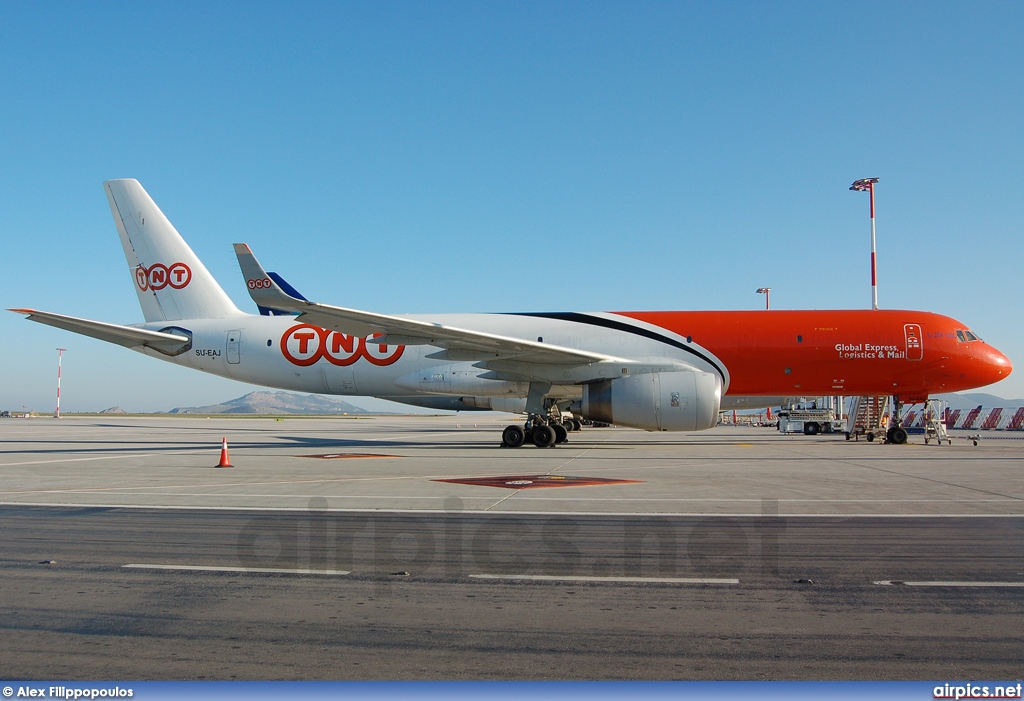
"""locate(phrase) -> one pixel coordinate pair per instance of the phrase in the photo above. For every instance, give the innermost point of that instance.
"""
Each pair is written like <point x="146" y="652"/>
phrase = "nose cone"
<point x="994" y="365"/>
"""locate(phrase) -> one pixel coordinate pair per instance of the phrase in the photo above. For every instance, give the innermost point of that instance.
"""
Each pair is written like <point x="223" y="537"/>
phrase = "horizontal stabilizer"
<point x="127" y="336"/>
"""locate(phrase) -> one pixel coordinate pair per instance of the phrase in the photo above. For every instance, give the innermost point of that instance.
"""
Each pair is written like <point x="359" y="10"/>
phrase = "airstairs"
<point x="866" y="415"/>
<point x="935" y="422"/>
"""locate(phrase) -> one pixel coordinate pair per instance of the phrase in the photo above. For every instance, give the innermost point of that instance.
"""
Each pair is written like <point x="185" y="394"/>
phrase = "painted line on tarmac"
<point x="898" y="583"/>
<point x="485" y="512"/>
<point x="197" y="451"/>
<point x="158" y="493"/>
<point x="154" y="453"/>
<point x="571" y="578"/>
<point x="206" y="568"/>
<point x="723" y="500"/>
<point x="219" y="485"/>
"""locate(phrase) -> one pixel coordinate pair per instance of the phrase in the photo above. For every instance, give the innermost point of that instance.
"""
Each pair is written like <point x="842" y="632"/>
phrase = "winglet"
<point x="283" y="284"/>
<point x="262" y="286"/>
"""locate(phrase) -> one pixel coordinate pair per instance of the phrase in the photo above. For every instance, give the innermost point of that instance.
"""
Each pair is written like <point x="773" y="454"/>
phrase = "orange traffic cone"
<point x="225" y="461"/>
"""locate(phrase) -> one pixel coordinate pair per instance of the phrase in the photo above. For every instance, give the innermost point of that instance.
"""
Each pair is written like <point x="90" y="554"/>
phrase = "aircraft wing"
<point x="462" y="344"/>
<point x="127" y="336"/>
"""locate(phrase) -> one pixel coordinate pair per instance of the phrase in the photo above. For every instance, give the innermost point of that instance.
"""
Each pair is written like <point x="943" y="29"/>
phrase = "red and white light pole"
<point x="868" y="185"/>
<point x="60" y="355"/>
<point x="766" y="291"/>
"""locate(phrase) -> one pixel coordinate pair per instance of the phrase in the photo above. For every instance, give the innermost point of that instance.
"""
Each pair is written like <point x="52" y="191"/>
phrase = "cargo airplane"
<point x="659" y="371"/>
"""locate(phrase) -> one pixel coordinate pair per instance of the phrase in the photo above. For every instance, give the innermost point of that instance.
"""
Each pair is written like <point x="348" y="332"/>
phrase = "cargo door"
<point x="234" y="341"/>
<point x="340" y="380"/>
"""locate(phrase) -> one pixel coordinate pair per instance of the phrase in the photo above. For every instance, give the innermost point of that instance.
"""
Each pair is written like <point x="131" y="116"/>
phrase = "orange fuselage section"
<point x="851" y="352"/>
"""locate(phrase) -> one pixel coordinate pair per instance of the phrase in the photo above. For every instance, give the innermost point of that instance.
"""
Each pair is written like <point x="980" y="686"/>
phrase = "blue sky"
<point x="434" y="157"/>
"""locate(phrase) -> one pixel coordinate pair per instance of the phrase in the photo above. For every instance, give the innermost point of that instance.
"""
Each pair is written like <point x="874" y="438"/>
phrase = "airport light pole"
<point x="868" y="185"/>
<point x="60" y="356"/>
<point x="766" y="292"/>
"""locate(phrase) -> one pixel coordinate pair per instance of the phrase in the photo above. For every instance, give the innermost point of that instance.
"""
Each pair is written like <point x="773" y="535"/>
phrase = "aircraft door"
<point x="234" y="341"/>
<point x="912" y="334"/>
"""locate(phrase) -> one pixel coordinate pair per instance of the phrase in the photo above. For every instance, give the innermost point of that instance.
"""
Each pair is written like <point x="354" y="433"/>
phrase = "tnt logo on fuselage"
<point x="158" y="276"/>
<point x="304" y="345"/>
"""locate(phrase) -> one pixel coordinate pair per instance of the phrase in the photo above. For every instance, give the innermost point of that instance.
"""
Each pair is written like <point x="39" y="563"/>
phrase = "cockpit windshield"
<point x="965" y="336"/>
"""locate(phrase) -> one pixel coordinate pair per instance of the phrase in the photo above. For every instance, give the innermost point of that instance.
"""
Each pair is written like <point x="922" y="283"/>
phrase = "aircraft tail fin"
<point x="171" y="281"/>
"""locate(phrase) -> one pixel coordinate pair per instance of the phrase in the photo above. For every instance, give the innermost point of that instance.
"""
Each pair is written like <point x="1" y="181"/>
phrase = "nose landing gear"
<point x="897" y="435"/>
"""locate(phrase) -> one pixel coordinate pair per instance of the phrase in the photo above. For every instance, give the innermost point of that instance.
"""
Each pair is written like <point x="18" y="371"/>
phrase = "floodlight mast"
<point x="766" y="291"/>
<point x="868" y="185"/>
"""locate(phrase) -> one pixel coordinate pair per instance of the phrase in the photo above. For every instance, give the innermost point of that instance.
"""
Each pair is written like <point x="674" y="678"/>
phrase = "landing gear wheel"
<point x="561" y="433"/>
<point x="513" y="436"/>
<point x="543" y="436"/>
<point x="577" y="425"/>
<point x="898" y="435"/>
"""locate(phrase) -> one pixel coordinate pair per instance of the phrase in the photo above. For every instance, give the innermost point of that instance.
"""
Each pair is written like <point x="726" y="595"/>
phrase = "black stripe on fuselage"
<point x="622" y="326"/>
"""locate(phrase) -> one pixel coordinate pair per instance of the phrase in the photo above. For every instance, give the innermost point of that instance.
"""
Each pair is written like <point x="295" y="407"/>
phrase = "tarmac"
<point x="398" y="463"/>
<point x="334" y="548"/>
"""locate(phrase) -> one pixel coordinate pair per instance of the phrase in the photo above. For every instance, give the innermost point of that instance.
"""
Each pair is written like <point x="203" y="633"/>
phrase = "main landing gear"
<point x="543" y="432"/>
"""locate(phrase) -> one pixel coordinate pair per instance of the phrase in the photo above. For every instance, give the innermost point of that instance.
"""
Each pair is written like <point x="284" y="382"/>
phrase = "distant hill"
<point x="291" y="403"/>
<point x="275" y="403"/>
<point x="966" y="401"/>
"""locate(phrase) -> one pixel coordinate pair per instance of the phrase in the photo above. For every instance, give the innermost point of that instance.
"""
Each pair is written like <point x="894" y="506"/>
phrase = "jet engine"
<point x="659" y="401"/>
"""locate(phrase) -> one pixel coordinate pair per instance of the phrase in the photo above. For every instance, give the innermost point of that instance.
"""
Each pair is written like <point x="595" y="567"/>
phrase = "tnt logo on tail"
<point x="158" y="276"/>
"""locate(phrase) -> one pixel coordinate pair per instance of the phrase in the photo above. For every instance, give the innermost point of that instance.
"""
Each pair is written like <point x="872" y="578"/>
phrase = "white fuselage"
<point x="282" y="352"/>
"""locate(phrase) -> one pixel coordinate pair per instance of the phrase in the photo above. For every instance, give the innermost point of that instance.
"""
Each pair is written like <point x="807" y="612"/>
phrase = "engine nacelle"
<point x="660" y="401"/>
